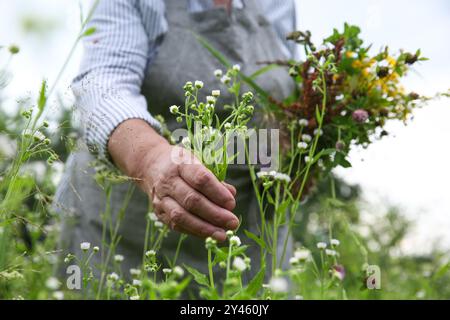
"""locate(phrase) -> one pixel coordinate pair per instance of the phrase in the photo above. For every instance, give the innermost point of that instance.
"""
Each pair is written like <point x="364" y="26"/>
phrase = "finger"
<point x="198" y="204"/>
<point x="204" y="181"/>
<point x="177" y="218"/>
<point x="230" y="188"/>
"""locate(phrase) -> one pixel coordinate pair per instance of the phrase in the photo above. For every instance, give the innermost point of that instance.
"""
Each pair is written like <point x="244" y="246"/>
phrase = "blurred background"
<point x="409" y="169"/>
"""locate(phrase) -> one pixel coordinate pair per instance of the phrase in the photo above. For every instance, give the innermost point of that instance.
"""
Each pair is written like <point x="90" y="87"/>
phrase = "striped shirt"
<point x="107" y="88"/>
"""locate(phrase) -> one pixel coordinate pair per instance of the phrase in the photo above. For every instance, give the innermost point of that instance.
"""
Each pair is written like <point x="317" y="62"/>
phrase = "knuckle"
<point x="176" y="218"/>
<point x="191" y="200"/>
<point x="202" y="177"/>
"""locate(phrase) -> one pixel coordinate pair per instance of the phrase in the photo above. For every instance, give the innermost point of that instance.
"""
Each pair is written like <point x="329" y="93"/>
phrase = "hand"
<point x="185" y="194"/>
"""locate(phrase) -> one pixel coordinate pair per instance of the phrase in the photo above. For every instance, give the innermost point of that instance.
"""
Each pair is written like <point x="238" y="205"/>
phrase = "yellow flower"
<point x="392" y="62"/>
<point x="357" y="64"/>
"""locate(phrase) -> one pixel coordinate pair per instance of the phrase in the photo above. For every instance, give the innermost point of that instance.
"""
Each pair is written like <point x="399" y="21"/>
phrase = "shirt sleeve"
<point x="108" y="87"/>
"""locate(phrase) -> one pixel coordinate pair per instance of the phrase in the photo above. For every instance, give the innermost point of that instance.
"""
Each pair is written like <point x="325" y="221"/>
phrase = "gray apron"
<point x="244" y="37"/>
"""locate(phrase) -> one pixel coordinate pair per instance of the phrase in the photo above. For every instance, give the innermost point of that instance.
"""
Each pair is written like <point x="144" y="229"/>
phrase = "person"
<point x="134" y="67"/>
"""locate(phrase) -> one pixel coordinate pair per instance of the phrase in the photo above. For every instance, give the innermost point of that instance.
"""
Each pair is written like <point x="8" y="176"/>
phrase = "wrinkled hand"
<point x="186" y="195"/>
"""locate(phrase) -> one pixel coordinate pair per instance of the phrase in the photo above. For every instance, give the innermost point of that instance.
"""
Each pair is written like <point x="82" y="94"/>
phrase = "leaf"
<point x="42" y="100"/>
<point x="200" y="278"/>
<point x="256" y="283"/>
<point x="255" y="238"/>
<point x="263" y="70"/>
<point x="89" y="31"/>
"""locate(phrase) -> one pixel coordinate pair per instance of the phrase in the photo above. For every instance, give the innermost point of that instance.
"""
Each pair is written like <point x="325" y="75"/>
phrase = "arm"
<point x="187" y="197"/>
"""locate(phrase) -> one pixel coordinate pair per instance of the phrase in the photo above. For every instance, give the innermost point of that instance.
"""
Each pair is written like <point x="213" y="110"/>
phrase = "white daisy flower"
<point x="113" y="277"/>
<point x="239" y="264"/>
<point x="303" y="122"/>
<point x="318" y="132"/>
<point x="302" y="254"/>
<point x="118" y="258"/>
<point x="135" y="297"/>
<point x="167" y="271"/>
<point x="218" y="73"/>
<point x="135" y="272"/>
<point x="150" y="253"/>
<point x="237" y="67"/>
<point x="52" y="283"/>
<point x="173" y="109"/>
<point x="178" y="271"/>
<point x="330" y="252"/>
<point x="302" y="145"/>
<point x="235" y="241"/>
<point x="210" y="99"/>
<point x="159" y="224"/>
<point x="137" y="282"/>
<point x="321" y="245"/>
<point x="198" y="84"/>
<point x="225" y="79"/>
<point x="335" y="242"/>
<point x="278" y="284"/>
<point x="306" y="137"/>
<point x="215" y="93"/>
<point x="85" y="246"/>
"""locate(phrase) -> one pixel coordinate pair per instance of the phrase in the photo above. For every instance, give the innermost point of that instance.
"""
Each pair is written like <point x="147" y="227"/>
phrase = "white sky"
<point x="409" y="169"/>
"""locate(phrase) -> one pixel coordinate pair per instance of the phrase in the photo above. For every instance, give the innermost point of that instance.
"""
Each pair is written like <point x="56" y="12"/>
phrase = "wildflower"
<point x="321" y="245"/>
<point x="335" y="242"/>
<point x="13" y="49"/>
<point x="210" y="99"/>
<point x="96" y="249"/>
<point x="278" y="284"/>
<point x="52" y="283"/>
<point x="298" y="297"/>
<point x="360" y="115"/>
<point x="159" y="224"/>
<point x="303" y="122"/>
<point x="218" y="73"/>
<point x="198" y="84"/>
<point x="113" y="277"/>
<point x="338" y="272"/>
<point x="137" y="282"/>
<point x="230" y="233"/>
<point x="135" y="272"/>
<point x="282" y="177"/>
<point x="318" y="132"/>
<point x="228" y="126"/>
<point x="330" y="252"/>
<point x="237" y="67"/>
<point x="118" y="258"/>
<point x="306" y="137"/>
<point x="210" y="243"/>
<point x="58" y="295"/>
<point x="150" y="253"/>
<point x="302" y="145"/>
<point x="248" y="96"/>
<point x="302" y="254"/>
<point x="152" y="216"/>
<point x="186" y="142"/>
<point x="239" y="264"/>
<point x="340" y="145"/>
<point x="215" y="93"/>
<point x="135" y="297"/>
<point x="178" y="271"/>
<point x="225" y="79"/>
<point x="45" y="124"/>
<point x="293" y="261"/>
<point x="235" y="241"/>
<point x="222" y="264"/>
<point x="173" y="109"/>
<point x="85" y="246"/>
<point x="308" y="159"/>
<point x="167" y="271"/>
<point x="262" y="174"/>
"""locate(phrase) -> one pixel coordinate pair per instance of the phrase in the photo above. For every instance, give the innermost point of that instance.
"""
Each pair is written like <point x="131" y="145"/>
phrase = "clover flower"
<point x="321" y="245"/>
<point x="360" y="115"/>
<point x="119" y="258"/>
<point x="210" y="99"/>
<point x="335" y="242"/>
<point x="178" y="271"/>
<point x="52" y="283"/>
<point x="150" y="253"/>
<point x="239" y="264"/>
<point x="152" y="216"/>
<point x="113" y="277"/>
<point x="135" y="272"/>
<point x="302" y="145"/>
<point x="167" y="271"/>
<point x="302" y="254"/>
<point x="306" y="137"/>
<point x="303" y="122"/>
<point x="235" y="241"/>
<point x="218" y="73"/>
<point x="137" y="282"/>
<point x="278" y="284"/>
<point x="198" y="84"/>
<point x="225" y="79"/>
<point x="174" y="109"/>
<point x="85" y="246"/>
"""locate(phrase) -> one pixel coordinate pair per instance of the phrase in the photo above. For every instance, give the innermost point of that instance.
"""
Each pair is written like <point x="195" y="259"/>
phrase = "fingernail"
<point x="219" y="236"/>
<point x="232" y="224"/>
<point x="230" y="204"/>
